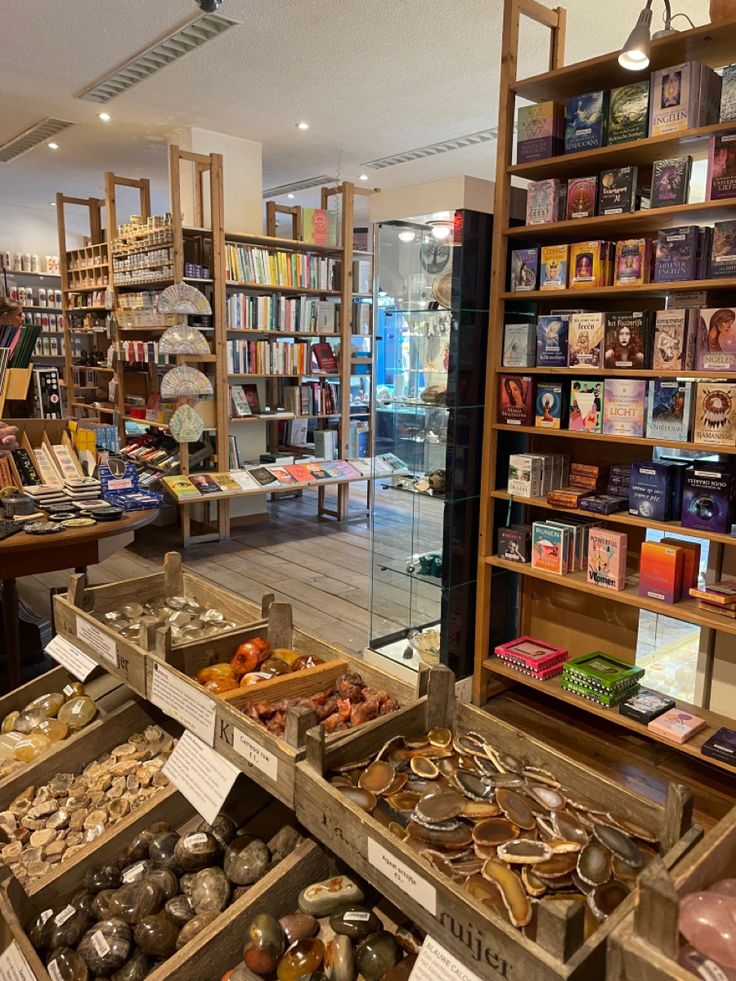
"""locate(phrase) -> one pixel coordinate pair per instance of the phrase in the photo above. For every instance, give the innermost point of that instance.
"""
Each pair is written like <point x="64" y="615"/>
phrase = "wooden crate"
<point x="647" y="943"/>
<point x="73" y="613"/>
<point x="486" y="943"/>
<point x="98" y="687"/>
<point x="266" y="758"/>
<point x="222" y="942"/>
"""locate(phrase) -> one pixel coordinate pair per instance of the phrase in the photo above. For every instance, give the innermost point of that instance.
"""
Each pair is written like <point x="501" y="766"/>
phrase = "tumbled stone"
<point x="137" y="871"/>
<point x="377" y="954"/>
<point x="162" y="850"/>
<point x="223" y="829"/>
<point x="38" y="931"/>
<point x="30" y="747"/>
<point x="156" y="936"/>
<point x="136" y="968"/>
<point x="135" y="900"/>
<point x="246" y="860"/>
<point x="49" y="704"/>
<point x="264" y="944"/>
<point x="195" y="926"/>
<point x="77" y="712"/>
<point x="303" y="957"/>
<point x="356" y="922"/>
<point x="166" y="880"/>
<point x="330" y="895"/>
<point x="339" y="960"/>
<point x="101" y="904"/>
<point x="210" y="891"/>
<point x="29" y="719"/>
<point x="67" y="965"/>
<point x="83" y="899"/>
<point x="99" y="877"/>
<point x="179" y="910"/>
<point x="196" y="851"/>
<point x="67" y="927"/>
<point x="298" y="926"/>
<point x="9" y="721"/>
<point x="106" y="946"/>
<point x="285" y="841"/>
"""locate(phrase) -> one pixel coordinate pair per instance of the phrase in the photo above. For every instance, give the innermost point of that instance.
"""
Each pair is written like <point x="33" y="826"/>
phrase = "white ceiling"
<point x="372" y="77"/>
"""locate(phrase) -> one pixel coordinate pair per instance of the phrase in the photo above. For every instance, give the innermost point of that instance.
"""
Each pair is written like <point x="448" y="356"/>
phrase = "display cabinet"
<point x="430" y="343"/>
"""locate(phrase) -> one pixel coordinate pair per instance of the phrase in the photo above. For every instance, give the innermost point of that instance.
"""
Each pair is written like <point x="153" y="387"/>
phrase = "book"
<point x="721" y="746"/>
<point x="262" y="476"/>
<point x="581" y="197"/>
<point x="516" y="400"/>
<point x="714" y="422"/>
<point x="723" y="250"/>
<point x="319" y="226"/>
<point x="566" y="497"/>
<point x="627" y="340"/>
<point x="676" y="256"/>
<point x="515" y="543"/>
<point x="181" y="487"/>
<point x="606" y="563"/>
<point x="650" y="490"/>
<point x="552" y="341"/>
<point x="549" y="548"/>
<point x="705" y="244"/>
<point x="586" y="121"/>
<point x="715" y="348"/>
<point x="660" y="572"/>
<point x="708" y="498"/>
<point x="591" y="264"/>
<point x="518" y="345"/>
<point x="603" y="672"/>
<point x="728" y="94"/>
<point x="283" y="476"/>
<point x="604" y="503"/>
<point x="669" y="409"/>
<point x="550" y="405"/>
<point x="676" y="725"/>
<point x="690" y="562"/>
<point x="586" y="406"/>
<point x="524" y="270"/>
<point x="244" y="480"/>
<point x="628" y="113"/>
<point x="670" y="181"/>
<point x="543" y="202"/>
<point x="617" y="193"/>
<point x="721" y="178"/>
<point x="525" y="475"/>
<point x="205" y="483"/>
<point x="325" y="357"/>
<point x="553" y="267"/>
<point x="539" y="130"/>
<point x="632" y="262"/>
<point x="585" y="340"/>
<point x="340" y="469"/>
<point x="673" y="345"/>
<point x="245" y="400"/>
<point x="721" y="593"/>
<point x="646" y="705"/>
<point x="225" y="482"/>
<point x="624" y="402"/>
<point x="682" y="97"/>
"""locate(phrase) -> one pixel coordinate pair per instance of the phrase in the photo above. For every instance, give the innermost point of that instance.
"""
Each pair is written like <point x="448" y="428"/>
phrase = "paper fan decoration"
<point x="183" y="298"/>
<point x="186" y="426"/>
<point x="185" y="382"/>
<point x="183" y="339"/>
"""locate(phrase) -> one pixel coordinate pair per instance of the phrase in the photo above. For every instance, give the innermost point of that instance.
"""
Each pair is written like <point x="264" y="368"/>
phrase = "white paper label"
<point x="65" y="914"/>
<point x="255" y="754"/>
<point x="74" y="660"/>
<point x="435" y="962"/>
<point x="132" y="872"/>
<point x="408" y="881"/>
<point x="99" y="642"/>
<point x="197" y="839"/>
<point x="44" y="917"/>
<point x="102" y="947"/>
<point x="195" y="710"/>
<point x="357" y="916"/>
<point x="67" y="689"/>
<point x="55" y="974"/>
<point x="14" y="966"/>
<point x="201" y="775"/>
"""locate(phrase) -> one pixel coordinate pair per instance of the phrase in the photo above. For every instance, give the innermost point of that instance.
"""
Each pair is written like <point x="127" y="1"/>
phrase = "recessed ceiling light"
<point x="363" y="177"/>
<point x="290" y="196"/>
<point x="52" y="203"/>
<point x="302" y="125"/>
<point x="53" y="146"/>
<point x="104" y="116"/>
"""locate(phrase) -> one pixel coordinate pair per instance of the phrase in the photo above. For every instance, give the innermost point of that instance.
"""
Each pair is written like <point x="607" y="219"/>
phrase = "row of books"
<point x="673" y="99"/>
<point x="143" y="352"/>
<point x="304" y="270"/>
<point x="20" y="343"/>
<point x="307" y="399"/>
<point x="666" y="340"/>
<point x="278" y="357"/>
<point x="677" y="254"/>
<point x="247" y="311"/>
<point x="664" y="409"/>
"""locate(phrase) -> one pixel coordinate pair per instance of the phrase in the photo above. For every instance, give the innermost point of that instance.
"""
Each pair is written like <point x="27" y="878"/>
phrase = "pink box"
<point x="533" y="653"/>
<point x="607" y="558"/>
<point x="676" y="725"/>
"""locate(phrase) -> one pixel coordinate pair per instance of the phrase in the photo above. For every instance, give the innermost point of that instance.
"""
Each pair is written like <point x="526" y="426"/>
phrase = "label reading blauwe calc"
<point x="100" y="643"/>
<point x="70" y="657"/>
<point x="14" y="966"/>
<point x="435" y="962"/>
<point x="255" y="754"/>
<point x="203" y="776"/>
<point x="195" y="710"/>
<point x="405" y="878"/>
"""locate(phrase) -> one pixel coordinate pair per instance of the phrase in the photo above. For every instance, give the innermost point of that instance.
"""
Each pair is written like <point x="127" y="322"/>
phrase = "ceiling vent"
<point x="151" y="60"/>
<point x="40" y="133"/>
<point x="470" y="139"/>
<point x="277" y="192"/>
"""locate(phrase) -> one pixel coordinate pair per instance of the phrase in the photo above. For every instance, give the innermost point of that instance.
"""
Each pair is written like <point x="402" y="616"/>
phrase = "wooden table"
<point x="28" y="555"/>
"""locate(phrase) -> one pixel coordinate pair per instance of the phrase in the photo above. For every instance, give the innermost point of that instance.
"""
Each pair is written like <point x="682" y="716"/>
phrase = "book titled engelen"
<point x="543" y="202"/>
<point x="723" y="250"/>
<point x="553" y="268"/>
<point x="676" y="258"/>
<point x="581" y="197"/>
<point x="716" y="343"/>
<point x="550" y="405"/>
<point x="682" y="97"/>
<point x="518" y="345"/>
<point x="628" y="113"/>
<point x="539" y="131"/>
<point x="721" y="180"/>
<point x="631" y="266"/>
<point x="586" y="121"/>
<point x="586" y="406"/>
<point x="627" y="340"/>
<point x="673" y="346"/>
<point x="669" y="409"/>
<point x="585" y="340"/>
<point x="552" y="340"/>
<point x="524" y="270"/>
<point x="516" y="400"/>
<point x="670" y="181"/>
<point x="617" y="193"/>
<point x="715" y="414"/>
<point x="624" y="401"/>
<point x="606" y="566"/>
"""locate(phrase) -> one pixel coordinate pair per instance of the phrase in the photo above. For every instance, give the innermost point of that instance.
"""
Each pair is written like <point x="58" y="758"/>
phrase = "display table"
<point x="28" y="555"/>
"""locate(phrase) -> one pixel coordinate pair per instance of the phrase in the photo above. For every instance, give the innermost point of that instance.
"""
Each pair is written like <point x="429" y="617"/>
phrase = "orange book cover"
<point x="301" y="472"/>
<point x="660" y="572"/>
<point x="690" y="562"/>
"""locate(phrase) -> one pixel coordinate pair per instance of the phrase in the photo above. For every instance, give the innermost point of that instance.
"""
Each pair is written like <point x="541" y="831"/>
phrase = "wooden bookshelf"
<point x="515" y="599"/>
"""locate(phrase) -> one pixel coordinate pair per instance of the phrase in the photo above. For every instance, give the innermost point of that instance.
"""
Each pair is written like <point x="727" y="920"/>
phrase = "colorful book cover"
<point x="325" y="357"/>
<point x="536" y="654"/>
<point x="716" y="343"/>
<point x="516" y="400"/>
<point x="690" y="562"/>
<point x="550" y="405"/>
<point x="723" y="250"/>
<point x="721" y="593"/>
<point x="225" y="482"/>
<point x="524" y="270"/>
<point x="549" y="548"/>
<point x="670" y="181"/>
<point x="624" y="403"/>
<point x="553" y="268"/>
<point x="243" y="479"/>
<point x="582" y="193"/>
<point x="676" y="258"/>
<point x="707" y="498"/>
<point x="669" y="409"/>
<point x="606" y="565"/>
<point x="586" y="406"/>
<point x="340" y="469"/>
<point x="552" y="341"/>
<point x="319" y="226"/>
<point x="538" y="131"/>
<point x="591" y="264"/>
<point x="543" y="202"/>
<point x="627" y="340"/>
<point x="721" y="180"/>
<point x="628" y="113"/>
<point x="181" y="487"/>
<point x="670" y="344"/>
<point x="632" y="262"/>
<point x="720" y="746"/>
<point x="660" y="572"/>
<point x="515" y="543"/>
<point x="518" y="345"/>
<point x="673" y="105"/>
<point x="617" y="193"/>
<point x="728" y="94"/>
<point x="205" y="483"/>
<point x="715" y="414"/>
<point x="586" y="121"/>
<point x="646" y="705"/>
<point x="585" y="340"/>
<point x="283" y="476"/>
<point x="300" y="472"/>
<point x="317" y="470"/>
<point x="677" y="725"/>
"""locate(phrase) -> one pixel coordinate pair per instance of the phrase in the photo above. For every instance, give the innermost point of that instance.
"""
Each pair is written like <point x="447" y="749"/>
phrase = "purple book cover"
<point x="716" y="342"/>
<point x="624" y="402"/>
<point x="539" y="131"/>
<point x="676" y="258"/>
<point x="707" y="499"/>
<point x="543" y="202"/>
<point x="721" y="181"/>
<point x="524" y="270"/>
<point x="670" y="181"/>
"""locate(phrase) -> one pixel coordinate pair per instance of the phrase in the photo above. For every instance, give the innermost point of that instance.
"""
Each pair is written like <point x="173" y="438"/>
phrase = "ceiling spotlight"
<point x="635" y="53"/>
<point x="52" y="203"/>
<point x="302" y="125"/>
<point x="441" y="231"/>
<point x="363" y="177"/>
<point x="53" y="146"/>
<point x="407" y="235"/>
<point x="209" y="6"/>
<point x="104" y="116"/>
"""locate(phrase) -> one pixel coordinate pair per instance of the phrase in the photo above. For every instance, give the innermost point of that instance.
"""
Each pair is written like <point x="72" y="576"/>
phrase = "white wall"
<point x="33" y="229"/>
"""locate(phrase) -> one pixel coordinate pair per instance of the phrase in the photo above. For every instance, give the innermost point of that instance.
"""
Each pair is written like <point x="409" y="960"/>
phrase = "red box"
<point x="660" y="572"/>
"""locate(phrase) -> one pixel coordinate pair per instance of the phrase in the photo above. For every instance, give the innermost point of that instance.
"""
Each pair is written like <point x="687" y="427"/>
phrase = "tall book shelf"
<point x="516" y="599"/>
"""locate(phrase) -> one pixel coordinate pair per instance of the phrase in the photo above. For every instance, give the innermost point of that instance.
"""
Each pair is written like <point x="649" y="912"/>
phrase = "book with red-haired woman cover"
<point x="516" y="400"/>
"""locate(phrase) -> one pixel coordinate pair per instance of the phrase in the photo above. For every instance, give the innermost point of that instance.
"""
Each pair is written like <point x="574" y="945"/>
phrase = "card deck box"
<point x="722" y="593"/>
<point x="602" y="674"/>
<point x="547" y="461"/>
<point x="721" y="746"/>
<point x="646" y="705"/>
<point x="550" y="405"/>
<point x="708" y="498"/>
<point x="585" y="340"/>
<point x="514" y="543"/>
<point x="631" y="264"/>
<point x="705" y="245"/>
<point x="525" y="475"/>
<point x="586" y="121"/>
<point x="518" y="345"/>
<point x="624" y="403"/>
<point x="582" y="193"/>
<point x="597" y="695"/>
<point x="573" y="559"/>
<point x="677" y="725"/>
<point x="539" y="131"/>
<point x="660" y="572"/>
<point x="628" y="113"/>
<point x="676" y="255"/>
<point x="627" y="339"/>
<point x="591" y="264"/>
<point x="721" y="179"/>
<point x="670" y="181"/>
<point x="715" y="348"/>
<point x="550" y="548"/>
<point x="650" y="490"/>
<point x="690" y="562"/>
<point x="516" y="400"/>
<point x="524" y="270"/>
<point x="532" y="656"/>
<point x="543" y="202"/>
<point x="682" y="97"/>
<point x="673" y="346"/>
<point x="617" y="190"/>
<point x="714" y="415"/>
<point x="567" y="497"/>
<point x="586" y="405"/>
<point x="669" y="409"/>
<point x="555" y="260"/>
<point x="552" y="341"/>
<point x="723" y="250"/>
<point x="606" y="566"/>
<point x="728" y="94"/>
<point x="604" y="503"/>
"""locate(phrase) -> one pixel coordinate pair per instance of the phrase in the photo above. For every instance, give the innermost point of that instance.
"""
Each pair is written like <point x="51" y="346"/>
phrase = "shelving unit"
<point x="515" y="599"/>
<point x="34" y="312"/>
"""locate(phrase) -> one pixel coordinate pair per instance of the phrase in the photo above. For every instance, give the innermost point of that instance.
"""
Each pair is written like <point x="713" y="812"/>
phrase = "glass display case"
<point x="432" y="276"/>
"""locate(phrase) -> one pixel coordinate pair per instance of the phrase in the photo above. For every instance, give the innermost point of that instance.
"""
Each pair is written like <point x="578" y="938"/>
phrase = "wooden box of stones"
<point x="682" y="926"/>
<point x="117" y="624"/>
<point x="516" y="858"/>
<point x="266" y="686"/>
<point x="157" y="901"/>
<point x="68" y="805"/>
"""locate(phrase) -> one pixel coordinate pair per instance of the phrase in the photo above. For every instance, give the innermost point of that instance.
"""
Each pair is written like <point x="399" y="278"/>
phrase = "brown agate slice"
<point x="440" y="806"/>
<point x="467" y="864"/>
<point x="363" y="798"/>
<point x="416" y="742"/>
<point x="424" y="767"/>
<point x="536" y="774"/>
<point x="594" y="864"/>
<point x="398" y="783"/>
<point x="635" y="830"/>
<point x="512" y="891"/>
<point x="524" y="851"/>
<point x="440" y="736"/>
<point x="557" y="866"/>
<point x="515" y="809"/>
<point x="561" y="847"/>
<point x="377" y="778"/>
<point x="489" y="894"/>
<point x="604" y="899"/>
<point x="478" y="810"/>
<point x="473" y="785"/>
<point x="548" y="797"/>
<point x="568" y="826"/>
<point x="406" y="800"/>
<point x="533" y="885"/>
<point x="620" y="844"/>
<point x="459" y="837"/>
<point x="622" y="871"/>
<point x="494" y="832"/>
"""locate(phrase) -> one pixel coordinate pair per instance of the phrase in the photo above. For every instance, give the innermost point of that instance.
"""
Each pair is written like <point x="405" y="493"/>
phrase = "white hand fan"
<point x="183" y="339"/>
<point x="185" y="382"/>
<point x="183" y="298"/>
